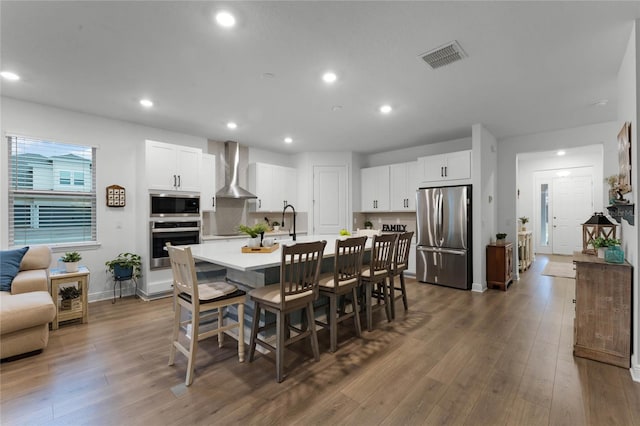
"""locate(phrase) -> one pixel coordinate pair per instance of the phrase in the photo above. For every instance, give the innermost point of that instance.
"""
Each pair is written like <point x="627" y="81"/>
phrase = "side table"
<point x="80" y="278"/>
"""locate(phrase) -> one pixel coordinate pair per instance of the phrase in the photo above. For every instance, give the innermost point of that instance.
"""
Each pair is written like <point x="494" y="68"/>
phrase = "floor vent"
<point x="444" y="55"/>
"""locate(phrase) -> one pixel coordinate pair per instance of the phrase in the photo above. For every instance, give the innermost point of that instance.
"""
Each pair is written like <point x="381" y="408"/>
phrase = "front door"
<point x="572" y="204"/>
<point x="329" y="199"/>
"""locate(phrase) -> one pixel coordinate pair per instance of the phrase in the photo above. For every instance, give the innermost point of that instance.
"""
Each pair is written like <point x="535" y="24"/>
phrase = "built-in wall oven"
<point x="176" y="232"/>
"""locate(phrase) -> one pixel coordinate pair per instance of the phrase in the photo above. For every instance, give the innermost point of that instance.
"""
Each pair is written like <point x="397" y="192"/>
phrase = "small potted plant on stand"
<point x="255" y="233"/>
<point x="523" y="221"/>
<point x="368" y="224"/>
<point x="125" y="266"/>
<point x="500" y="238"/>
<point x="70" y="298"/>
<point x="71" y="260"/>
<point x="275" y="225"/>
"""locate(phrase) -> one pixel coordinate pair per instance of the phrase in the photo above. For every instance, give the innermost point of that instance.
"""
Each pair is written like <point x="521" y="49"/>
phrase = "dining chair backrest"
<point x="382" y="252"/>
<point x="403" y="247"/>
<point x="184" y="271"/>
<point x="348" y="258"/>
<point x="300" y="267"/>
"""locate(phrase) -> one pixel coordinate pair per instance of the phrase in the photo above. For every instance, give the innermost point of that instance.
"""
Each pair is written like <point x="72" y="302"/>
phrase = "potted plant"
<point x="368" y="224"/>
<point x="523" y="221"/>
<point x="125" y="266"/>
<point x="601" y="243"/>
<point x="275" y="225"/>
<point x="500" y="237"/>
<point x="70" y="298"/>
<point x="71" y="260"/>
<point x="255" y="233"/>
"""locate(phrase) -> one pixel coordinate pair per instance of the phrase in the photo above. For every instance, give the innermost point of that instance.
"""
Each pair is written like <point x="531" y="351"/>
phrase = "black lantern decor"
<point x="597" y="226"/>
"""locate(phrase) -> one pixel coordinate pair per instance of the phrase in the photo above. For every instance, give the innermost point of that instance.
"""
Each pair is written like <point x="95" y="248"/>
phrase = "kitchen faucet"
<point x="294" y="220"/>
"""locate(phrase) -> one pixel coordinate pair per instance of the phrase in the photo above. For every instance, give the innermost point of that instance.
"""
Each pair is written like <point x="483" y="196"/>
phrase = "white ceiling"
<point x="531" y="67"/>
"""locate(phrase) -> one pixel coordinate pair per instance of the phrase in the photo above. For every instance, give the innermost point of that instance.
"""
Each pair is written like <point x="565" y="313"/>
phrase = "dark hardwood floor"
<point x="456" y="357"/>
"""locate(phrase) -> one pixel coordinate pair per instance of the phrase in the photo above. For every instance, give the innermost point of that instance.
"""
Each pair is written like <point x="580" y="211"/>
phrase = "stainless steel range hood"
<point x="231" y="161"/>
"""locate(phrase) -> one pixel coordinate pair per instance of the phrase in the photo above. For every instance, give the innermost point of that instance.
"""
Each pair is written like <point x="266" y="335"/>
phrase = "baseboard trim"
<point x="635" y="372"/>
<point x="478" y="288"/>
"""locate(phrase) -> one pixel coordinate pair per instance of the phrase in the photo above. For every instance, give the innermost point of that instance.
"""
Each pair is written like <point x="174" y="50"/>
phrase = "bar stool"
<point x="399" y="265"/>
<point x="202" y="301"/>
<point x="376" y="274"/>
<point x="298" y="289"/>
<point x="342" y="281"/>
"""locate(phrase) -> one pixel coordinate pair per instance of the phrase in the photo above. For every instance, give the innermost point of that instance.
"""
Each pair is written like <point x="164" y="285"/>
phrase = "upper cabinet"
<point x="374" y="189"/>
<point x="173" y="167"/>
<point x="275" y="186"/>
<point x="445" y="167"/>
<point x="403" y="186"/>
<point x="208" y="187"/>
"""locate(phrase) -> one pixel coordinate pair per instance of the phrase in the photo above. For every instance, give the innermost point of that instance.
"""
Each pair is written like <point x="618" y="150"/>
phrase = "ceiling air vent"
<point x="444" y="55"/>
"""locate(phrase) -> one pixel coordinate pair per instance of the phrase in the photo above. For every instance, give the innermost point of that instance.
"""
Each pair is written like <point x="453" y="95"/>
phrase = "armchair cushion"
<point x="10" y="266"/>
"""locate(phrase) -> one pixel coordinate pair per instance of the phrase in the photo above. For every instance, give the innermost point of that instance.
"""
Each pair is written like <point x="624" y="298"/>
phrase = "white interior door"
<point x="572" y="204"/>
<point x="329" y="199"/>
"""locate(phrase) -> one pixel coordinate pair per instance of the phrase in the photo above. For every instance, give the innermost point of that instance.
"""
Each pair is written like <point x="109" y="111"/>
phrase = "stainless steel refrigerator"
<point x="444" y="236"/>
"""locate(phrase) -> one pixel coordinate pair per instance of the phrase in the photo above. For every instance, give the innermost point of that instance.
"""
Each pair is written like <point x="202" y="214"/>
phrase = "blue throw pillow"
<point x="10" y="266"/>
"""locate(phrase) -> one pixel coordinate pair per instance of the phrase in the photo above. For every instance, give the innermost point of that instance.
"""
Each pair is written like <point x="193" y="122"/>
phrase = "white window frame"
<point x="46" y="195"/>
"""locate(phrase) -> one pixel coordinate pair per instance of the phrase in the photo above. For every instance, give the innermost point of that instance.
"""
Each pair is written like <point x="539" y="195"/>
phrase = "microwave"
<point x="163" y="205"/>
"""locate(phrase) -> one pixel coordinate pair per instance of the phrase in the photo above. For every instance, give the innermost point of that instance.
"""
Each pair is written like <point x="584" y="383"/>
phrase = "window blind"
<point x="52" y="192"/>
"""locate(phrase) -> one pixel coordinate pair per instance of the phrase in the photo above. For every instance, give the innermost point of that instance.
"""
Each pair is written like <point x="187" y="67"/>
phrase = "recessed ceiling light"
<point x="560" y="153"/>
<point x="146" y="103"/>
<point x="386" y="109"/>
<point x="563" y="173"/>
<point x="329" y="77"/>
<point x="268" y="75"/>
<point x="10" y="75"/>
<point x="288" y="140"/>
<point x="336" y="108"/>
<point x="600" y="103"/>
<point x="225" y="19"/>
<point x="232" y="125"/>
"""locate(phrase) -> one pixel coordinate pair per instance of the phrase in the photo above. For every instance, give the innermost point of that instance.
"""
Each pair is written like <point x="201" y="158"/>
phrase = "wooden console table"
<point x="525" y="250"/>
<point x="499" y="265"/>
<point x="81" y="279"/>
<point x="602" y="326"/>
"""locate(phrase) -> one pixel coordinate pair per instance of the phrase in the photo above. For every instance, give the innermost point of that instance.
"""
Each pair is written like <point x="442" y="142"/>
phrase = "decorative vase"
<point x="122" y="272"/>
<point x="71" y="266"/>
<point x="276" y="228"/>
<point x="500" y="242"/>
<point x="614" y="254"/>
<point x="601" y="251"/>
<point x="253" y="242"/>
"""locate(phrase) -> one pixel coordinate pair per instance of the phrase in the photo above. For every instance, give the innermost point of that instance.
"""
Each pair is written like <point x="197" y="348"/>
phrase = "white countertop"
<point x="229" y="253"/>
<point x="244" y="236"/>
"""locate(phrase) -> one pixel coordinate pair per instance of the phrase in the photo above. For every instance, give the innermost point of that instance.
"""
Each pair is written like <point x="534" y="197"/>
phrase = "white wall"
<point x="117" y="162"/>
<point x="628" y="110"/>
<point x="508" y="150"/>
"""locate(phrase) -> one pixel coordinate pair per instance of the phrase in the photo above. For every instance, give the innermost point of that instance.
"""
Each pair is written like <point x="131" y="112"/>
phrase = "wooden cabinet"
<point x="172" y="167"/>
<point x="403" y="186"/>
<point x="499" y="265"/>
<point x="445" y="167"/>
<point x="275" y="186"/>
<point x="602" y="326"/>
<point x="208" y="188"/>
<point x="374" y="183"/>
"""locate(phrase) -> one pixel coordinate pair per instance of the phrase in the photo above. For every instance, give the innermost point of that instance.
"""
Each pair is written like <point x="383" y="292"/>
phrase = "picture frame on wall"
<point x="624" y="159"/>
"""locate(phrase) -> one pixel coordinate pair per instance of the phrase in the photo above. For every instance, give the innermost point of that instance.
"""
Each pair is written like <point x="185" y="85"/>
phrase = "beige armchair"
<point x="27" y="310"/>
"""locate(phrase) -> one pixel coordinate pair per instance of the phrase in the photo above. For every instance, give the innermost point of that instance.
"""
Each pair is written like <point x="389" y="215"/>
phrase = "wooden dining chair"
<point x="343" y="281"/>
<point x="206" y="301"/>
<point x="398" y="266"/>
<point x="376" y="274"/>
<point x="297" y="290"/>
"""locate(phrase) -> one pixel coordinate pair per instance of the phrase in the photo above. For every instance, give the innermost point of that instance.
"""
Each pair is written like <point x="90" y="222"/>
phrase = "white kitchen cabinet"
<point x="172" y="167"/>
<point x="374" y="189"/>
<point x="403" y="185"/>
<point x="208" y="187"/>
<point x="275" y="186"/>
<point x="445" y="167"/>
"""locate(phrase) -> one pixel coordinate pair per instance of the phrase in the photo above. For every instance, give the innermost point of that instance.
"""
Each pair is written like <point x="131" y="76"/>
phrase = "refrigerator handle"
<point x="440" y="217"/>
